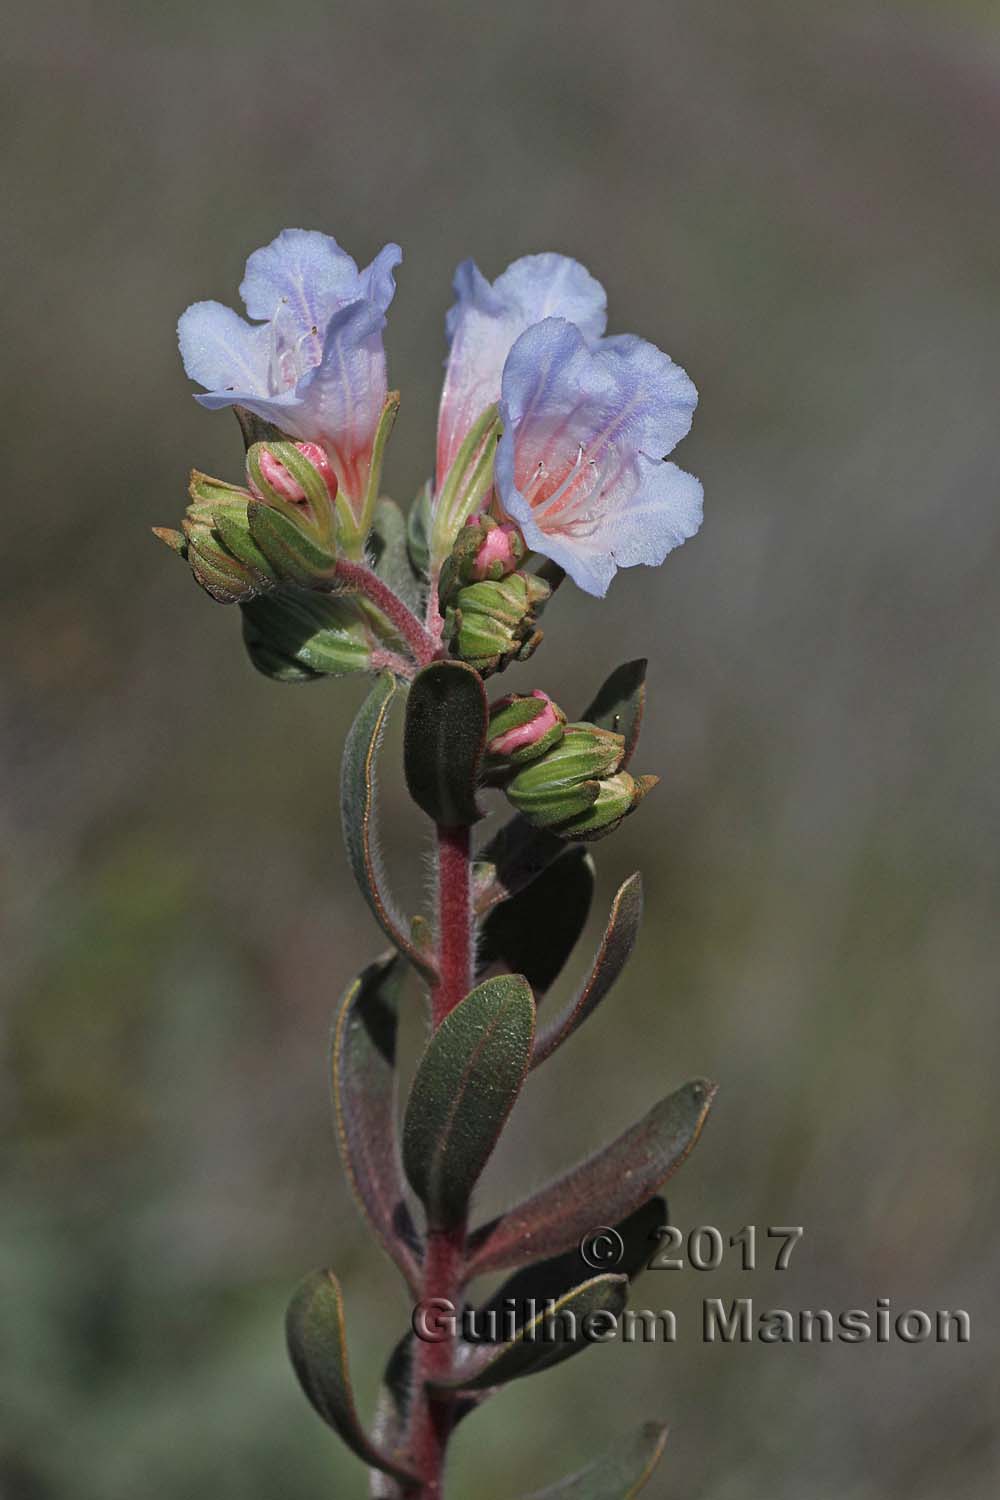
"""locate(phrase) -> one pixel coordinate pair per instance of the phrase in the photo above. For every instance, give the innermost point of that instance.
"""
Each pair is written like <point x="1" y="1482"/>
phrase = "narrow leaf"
<point x="535" y="932"/>
<point x="392" y="1412"/>
<point x="601" y="1190"/>
<point x="619" y="1475"/>
<point x="363" y="1067"/>
<point x="357" y="803"/>
<point x="612" y="956"/>
<point x="620" y="702"/>
<point x="553" y="1278"/>
<point x="446" y="720"/>
<point x="515" y="856"/>
<point x="317" y="1346"/>
<point x="390" y="554"/>
<point x="465" y="1087"/>
<point x="561" y="1329"/>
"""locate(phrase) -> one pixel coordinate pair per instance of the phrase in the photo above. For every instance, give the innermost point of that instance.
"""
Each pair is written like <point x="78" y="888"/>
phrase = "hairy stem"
<point x="362" y="580"/>
<point x="431" y="1419"/>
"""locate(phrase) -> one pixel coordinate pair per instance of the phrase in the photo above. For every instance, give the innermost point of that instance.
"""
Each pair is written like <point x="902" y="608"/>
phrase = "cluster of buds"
<point x="489" y="605"/>
<point x="568" y="778"/>
<point x="242" y="542"/>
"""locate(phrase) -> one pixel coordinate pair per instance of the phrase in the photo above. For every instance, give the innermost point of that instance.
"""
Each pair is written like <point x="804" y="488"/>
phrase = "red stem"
<point x="431" y="1419"/>
<point x="402" y="620"/>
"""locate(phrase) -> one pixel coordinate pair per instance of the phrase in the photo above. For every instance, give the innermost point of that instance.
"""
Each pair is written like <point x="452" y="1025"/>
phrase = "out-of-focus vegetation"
<point x="801" y="204"/>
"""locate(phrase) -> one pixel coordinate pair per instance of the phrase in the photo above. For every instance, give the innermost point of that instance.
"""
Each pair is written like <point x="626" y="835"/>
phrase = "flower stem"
<point x="431" y="1418"/>
<point x="362" y="580"/>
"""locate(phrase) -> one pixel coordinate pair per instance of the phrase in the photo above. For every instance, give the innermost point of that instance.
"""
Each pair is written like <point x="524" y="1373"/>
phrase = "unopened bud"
<point x="522" y="729"/>
<point x="576" y="788"/>
<point x="484" y="549"/>
<point x="279" y="478"/>
<point x="618" y="796"/>
<point x="492" y="623"/>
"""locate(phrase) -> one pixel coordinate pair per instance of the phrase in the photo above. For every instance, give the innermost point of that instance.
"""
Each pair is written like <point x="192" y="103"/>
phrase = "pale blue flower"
<point x="586" y="425"/>
<point x="485" y="322"/>
<point x="312" y="360"/>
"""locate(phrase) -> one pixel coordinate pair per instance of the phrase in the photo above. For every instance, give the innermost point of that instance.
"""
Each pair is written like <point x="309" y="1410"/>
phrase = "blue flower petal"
<point x="579" y="466"/>
<point x="486" y="320"/>
<point x="221" y="351"/>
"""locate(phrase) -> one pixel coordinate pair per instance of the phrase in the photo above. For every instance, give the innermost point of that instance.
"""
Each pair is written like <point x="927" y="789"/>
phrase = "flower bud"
<point x="492" y="623"/>
<point x="576" y="788"/>
<point x="485" y="549"/>
<point x="280" y="480"/>
<point x="618" y="796"/>
<point x="522" y="729"/>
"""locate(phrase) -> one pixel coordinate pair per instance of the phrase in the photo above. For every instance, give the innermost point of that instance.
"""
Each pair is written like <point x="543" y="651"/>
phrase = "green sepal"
<point x="446" y="717"/>
<point x="317" y="1346"/>
<point x="618" y="1475"/>
<point x="465" y="1087"/>
<point x="209" y="493"/>
<point x="295" y="555"/>
<point x="417" y="531"/>
<point x="357" y="803"/>
<point x="554" y="1334"/>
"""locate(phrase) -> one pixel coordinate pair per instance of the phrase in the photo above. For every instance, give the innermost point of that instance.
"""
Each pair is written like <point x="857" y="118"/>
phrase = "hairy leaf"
<point x="620" y="702"/>
<point x="514" y="857"/>
<point x="317" y="1346"/>
<point x="363" y="1068"/>
<point x="554" y="1334"/>
<point x="391" y="557"/>
<point x="619" y="1475"/>
<point x="605" y="1188"/>
<point x="357" y="804"/>
<point x="464" y="1089"/>
<point x="612" y="956"/>
<point x="446" y="720"/>
<point x="535" y="932"/>
<point x="392" y="1412"/>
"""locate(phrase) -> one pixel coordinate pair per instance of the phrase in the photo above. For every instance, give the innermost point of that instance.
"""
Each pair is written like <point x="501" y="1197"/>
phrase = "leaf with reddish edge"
<point x="612" y="956"/>
<point x="317" y="1346"/>
<point x="608" y="1186"/>
<point x="620" y="703"/>
<point x="556" y="1333"/>
<point x="535" y="932"/>
<point x="363" y="1069"/>
<point x="618" y="1475"/>
<point x="465" y="1087"/>
<point x="443" y="742"/>
<point x="357" y="804"/>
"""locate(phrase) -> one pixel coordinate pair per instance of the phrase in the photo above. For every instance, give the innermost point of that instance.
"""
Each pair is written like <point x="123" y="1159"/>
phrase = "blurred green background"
<point x="800" y="203"/>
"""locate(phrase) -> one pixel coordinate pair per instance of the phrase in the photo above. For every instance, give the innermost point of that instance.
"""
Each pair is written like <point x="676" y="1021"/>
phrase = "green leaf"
<point x="514" y="857"/>
<point x="619" y="1475"/>
<point x="317" y="1346"/>
<point x="553" y="1278"/>
<point x="363" y="1070"/>
<point x="357" y="804"/>
<point x="417" y="525"/>
<point x="620" y="702"/>
<point x="557" y="1332"/>
<point x="534" y="932"/>
<point x="443" y="741"/>
<point x="298" y="635"/>
<point x="616" y="947"/>
<point x="294" y="555"/>
<point x="603" y="1189"/>
<point x="392" y="1413"/>
<point x="391" y="557"/>
<point x="465" y="1087"/>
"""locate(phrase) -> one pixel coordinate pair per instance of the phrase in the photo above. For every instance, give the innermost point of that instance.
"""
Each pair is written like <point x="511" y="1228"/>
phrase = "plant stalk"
<point x="431" y="1419"/>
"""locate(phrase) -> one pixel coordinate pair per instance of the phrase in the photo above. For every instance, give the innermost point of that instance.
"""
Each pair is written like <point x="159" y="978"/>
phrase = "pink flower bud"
<point x="502" y="544"/>
<point x="279" y="478"/>
<point x="523" y="735"/>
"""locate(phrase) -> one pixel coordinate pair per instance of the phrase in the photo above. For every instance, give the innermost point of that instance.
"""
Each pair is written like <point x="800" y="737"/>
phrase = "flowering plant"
<point x="551" y="461"/>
